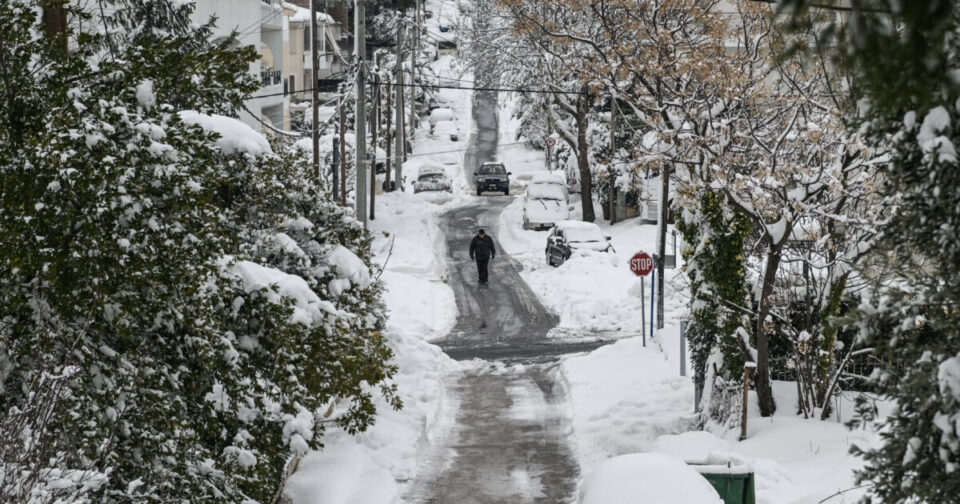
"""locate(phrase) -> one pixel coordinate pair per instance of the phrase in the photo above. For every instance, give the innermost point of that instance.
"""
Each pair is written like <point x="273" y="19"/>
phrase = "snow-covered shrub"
<point x="194" y="302"/>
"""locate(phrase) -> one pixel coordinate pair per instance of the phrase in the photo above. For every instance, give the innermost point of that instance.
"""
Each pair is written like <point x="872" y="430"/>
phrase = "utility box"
<point x="734" y="483"/>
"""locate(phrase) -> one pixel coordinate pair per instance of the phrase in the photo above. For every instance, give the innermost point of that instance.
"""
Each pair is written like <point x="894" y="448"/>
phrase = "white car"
<point x="440" y="114"/>
<point x="447" y="129"/>
<point x="545" y="202"/>
<point x="570" y="236"/>
<point x="432" y="178"/>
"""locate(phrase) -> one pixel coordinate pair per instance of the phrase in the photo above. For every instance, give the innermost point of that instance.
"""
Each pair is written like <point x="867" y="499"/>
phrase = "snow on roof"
<point x="302" y="15"/>
<point x="546" y="178"/>
<point x="431" y="169"/>
<point x="235" y="136"/>
<point x="575" y="224"/>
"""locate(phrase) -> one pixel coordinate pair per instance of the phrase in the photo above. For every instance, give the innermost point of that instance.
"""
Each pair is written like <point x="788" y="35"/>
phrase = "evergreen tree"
<point x="178" y="310"/>
<point x="903" y="56"/>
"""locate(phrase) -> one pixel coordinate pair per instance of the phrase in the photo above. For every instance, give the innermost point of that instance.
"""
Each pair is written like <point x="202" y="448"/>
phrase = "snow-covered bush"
<point x="181" y="310"/>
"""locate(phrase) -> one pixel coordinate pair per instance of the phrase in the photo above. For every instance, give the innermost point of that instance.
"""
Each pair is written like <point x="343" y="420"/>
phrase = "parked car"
<point x="447" y="128"/>
<point x="432" y="178"/>
<point x="440" y="114"/>
<point x="545" y="202"/>
<point x="568" y="236"/>
<point x="492" y="176"/>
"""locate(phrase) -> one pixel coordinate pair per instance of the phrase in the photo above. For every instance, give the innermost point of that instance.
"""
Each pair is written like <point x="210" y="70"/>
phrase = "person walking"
<point x="481" y="251"/>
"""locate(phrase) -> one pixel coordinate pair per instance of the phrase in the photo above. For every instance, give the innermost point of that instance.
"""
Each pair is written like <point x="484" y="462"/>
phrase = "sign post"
<point x="641" y="264"/>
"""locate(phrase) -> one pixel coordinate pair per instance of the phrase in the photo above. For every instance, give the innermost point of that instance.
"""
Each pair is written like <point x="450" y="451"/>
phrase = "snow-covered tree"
<point x="180" y="309"/>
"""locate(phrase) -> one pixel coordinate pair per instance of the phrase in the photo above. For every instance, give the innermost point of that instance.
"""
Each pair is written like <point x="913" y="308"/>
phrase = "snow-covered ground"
<point x="623" y="398"/>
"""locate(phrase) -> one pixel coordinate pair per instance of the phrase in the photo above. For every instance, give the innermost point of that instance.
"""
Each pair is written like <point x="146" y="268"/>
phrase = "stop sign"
<point x="641" y="264"/>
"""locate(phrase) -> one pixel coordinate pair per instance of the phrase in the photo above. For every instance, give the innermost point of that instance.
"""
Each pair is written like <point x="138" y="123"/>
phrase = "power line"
<point x="499" y="89"/>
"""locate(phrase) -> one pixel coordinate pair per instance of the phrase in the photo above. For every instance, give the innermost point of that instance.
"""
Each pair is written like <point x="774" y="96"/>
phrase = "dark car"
<point x="492" y="176"/>
<point x="567" y="236"/>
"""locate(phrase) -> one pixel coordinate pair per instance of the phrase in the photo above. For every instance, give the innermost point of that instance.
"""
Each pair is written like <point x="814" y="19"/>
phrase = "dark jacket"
<point x="482" y="248"/>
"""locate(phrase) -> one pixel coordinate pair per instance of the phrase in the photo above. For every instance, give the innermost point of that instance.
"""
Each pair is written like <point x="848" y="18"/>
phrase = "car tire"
<point x="506" y="192"/>
<point x="478" y="191"/>
<point x="549" y="259"/>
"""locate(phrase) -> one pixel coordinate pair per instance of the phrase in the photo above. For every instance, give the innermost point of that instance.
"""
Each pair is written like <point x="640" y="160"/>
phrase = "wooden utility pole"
<point x="613" y="157"/>
<point x="360" y="158"/>
<point x="387" y="137"/>
<point x="375" y="125"/>
<point x="399" y="150"/>
<point x="343" y="153"/>
<point x="360" y="30"/>
<point x="414" y="48"/>
<point x="315" y="61"/>
<point x="662" y="238"/>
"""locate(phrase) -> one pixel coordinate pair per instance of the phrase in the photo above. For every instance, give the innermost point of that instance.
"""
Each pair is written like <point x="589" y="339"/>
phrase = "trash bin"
<point x="733" y="483"/>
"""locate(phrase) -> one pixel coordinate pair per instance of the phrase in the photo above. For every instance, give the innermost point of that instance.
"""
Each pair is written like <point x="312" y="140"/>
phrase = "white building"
<point x="263" y="25"/>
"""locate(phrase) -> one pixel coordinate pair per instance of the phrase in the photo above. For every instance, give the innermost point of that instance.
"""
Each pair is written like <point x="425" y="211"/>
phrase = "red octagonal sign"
<point x="641" y="264"/>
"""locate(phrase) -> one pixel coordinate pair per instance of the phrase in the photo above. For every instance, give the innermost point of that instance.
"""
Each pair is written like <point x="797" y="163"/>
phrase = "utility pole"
<point x="662" y="239"/>
<point x="359" y="30"/>
<point x="387" y="137"/>
<point x="399" y="128"/>
<point x="414" y="49"/>
<point x="337" y="159"/>
<point x="375" y="125"/>
<point x="343" y="152"/>
<point x="613" y="157"/>
<point x="360" y="159"/>
<point x="315" y="59"/>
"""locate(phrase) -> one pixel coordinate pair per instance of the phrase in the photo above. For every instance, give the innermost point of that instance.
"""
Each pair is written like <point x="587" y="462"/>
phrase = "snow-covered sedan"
<point x="545" y="202"/>
<point x="432" y="178"/>
<point x="447" y="129"/>
<point x="569" y="236"/>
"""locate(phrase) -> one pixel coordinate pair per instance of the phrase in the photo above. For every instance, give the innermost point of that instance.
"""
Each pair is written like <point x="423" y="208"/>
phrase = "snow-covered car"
<point x="492" y="176"/>
<point x="648" y="478"/>
<point x="545" y="202"/>
<point x="568" y="236"/>
<point x="432" y="178"/>
<point x="440" y="114"/>
<point x="447" y="129"/>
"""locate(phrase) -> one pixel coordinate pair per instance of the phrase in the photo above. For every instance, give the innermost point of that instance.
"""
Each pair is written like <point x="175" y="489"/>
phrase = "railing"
<point x="270" y="77"/>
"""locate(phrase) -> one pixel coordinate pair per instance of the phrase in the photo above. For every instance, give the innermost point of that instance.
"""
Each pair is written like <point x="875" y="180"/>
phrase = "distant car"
<point x="432" y="178"/>
<point x="440" y="114"/>
<point x="492" y="176"/>
<point x="545" y="202"/>
<point x="569" y="236"/>
<point x="448" y="129"/>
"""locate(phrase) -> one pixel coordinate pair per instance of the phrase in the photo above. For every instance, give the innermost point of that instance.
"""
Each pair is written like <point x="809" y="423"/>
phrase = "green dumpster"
<point x="734" y="484"/>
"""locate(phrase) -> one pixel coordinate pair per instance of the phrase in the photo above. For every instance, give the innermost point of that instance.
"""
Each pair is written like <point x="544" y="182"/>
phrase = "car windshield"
<point x="546" y="191"/>
<point x="492" y="170"/>
<point x="584" y="234"/>
<point x="431" y="177"/>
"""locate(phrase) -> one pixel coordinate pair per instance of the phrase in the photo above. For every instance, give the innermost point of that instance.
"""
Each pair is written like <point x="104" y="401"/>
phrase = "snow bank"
<point x="341" y="474"/>
<point x="624" y="396"/>
<point x="235" y="136"/>
<point x="647" y="478"/>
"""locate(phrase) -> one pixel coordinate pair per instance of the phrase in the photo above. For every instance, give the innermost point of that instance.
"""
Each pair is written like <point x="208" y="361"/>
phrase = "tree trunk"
<point x="764" y="393"/>
<point x="586" y="182"/>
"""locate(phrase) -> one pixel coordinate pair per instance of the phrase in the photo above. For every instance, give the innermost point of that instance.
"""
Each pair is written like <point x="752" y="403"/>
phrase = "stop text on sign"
<point x="641" y="264"/>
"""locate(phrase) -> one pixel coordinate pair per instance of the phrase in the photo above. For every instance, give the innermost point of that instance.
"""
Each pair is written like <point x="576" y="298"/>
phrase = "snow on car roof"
<point x="445" y="126"/>
<point x="546" y="178"/>
<point x="429" y="169"/>
<point x="575" y="224"/>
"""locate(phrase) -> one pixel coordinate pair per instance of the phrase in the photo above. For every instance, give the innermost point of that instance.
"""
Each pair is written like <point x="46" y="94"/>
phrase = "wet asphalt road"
<point x="509" y="443"/>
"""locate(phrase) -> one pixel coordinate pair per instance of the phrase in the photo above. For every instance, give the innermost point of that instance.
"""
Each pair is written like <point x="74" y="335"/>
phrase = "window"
<point x="293" y="83"/>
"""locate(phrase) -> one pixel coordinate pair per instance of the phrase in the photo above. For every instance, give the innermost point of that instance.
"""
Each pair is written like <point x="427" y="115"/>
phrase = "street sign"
<point x="641" y="264"/>
<point x="551" y="142"/>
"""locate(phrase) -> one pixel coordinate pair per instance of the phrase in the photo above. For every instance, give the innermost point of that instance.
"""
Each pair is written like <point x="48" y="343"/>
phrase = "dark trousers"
<point x="482" y="268"/>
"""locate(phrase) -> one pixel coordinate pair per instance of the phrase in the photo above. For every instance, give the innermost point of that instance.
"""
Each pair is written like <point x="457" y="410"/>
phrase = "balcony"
<point x="270" y="77"/>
